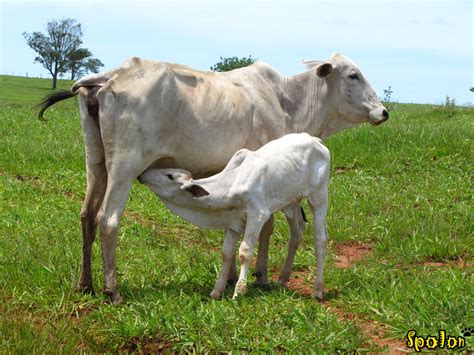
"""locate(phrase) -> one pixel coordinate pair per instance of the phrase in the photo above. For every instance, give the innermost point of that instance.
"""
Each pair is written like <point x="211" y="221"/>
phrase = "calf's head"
<point x="351" y="96"/>
<point x="172" y="184"/>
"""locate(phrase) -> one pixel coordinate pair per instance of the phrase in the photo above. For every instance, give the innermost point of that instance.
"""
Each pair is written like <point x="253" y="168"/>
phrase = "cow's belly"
<point x="203" y="151"/>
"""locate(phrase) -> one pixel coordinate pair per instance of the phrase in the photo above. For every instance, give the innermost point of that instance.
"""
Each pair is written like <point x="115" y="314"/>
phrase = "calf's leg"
<point x="228" y="255"/>
<point x="252" y="229"/>
<point x="319" y="204"/>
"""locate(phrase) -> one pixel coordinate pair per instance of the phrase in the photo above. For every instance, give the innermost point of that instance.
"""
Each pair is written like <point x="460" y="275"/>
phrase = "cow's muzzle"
<point x="377" y="117"/>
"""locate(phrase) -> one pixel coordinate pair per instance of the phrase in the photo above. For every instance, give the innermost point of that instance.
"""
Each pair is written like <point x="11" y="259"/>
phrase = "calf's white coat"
<point x="243" y="196"/>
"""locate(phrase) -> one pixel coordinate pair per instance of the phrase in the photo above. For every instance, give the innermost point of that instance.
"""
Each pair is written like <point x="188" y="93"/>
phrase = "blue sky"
<point x="423" y="49"/>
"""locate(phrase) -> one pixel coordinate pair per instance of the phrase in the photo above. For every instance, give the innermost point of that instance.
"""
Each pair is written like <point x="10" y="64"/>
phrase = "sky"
<point x="422" y="49"/>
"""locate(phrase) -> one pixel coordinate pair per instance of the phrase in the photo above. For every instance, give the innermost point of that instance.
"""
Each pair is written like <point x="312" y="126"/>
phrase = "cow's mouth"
<point x="376" y="122"/>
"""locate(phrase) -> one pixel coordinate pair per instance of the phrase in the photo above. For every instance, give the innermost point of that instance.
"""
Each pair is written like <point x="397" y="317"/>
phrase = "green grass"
<point x="29" y="91"/>
<point x="405" y="186"/>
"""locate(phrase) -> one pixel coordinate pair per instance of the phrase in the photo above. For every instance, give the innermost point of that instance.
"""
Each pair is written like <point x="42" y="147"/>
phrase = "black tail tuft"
<point x="303" y="215"/>
<point x="51" y="99"/>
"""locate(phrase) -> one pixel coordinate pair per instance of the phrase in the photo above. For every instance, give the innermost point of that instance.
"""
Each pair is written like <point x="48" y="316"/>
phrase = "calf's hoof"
<point x="318" y="295"/>
<point x="240" y="288"/>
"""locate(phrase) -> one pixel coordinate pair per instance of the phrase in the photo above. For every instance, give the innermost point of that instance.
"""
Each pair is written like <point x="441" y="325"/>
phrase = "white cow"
<point x="247" y="192"/>
<point x="149" y="114"/>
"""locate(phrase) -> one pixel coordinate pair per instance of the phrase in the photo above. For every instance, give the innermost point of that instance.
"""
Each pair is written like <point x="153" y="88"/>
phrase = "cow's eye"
<point x="169" y="176"/>
<point x="354" y="77"/>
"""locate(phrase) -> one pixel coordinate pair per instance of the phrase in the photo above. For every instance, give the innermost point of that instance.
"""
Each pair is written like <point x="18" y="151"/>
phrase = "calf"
<point x="244" y="195"/>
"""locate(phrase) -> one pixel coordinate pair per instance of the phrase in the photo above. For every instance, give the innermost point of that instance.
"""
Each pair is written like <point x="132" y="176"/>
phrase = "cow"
<point x="148" y="114"/>
<point x="247" y="192"/>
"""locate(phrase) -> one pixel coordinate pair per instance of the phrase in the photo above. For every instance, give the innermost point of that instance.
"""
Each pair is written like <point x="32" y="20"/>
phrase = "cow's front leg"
<point x="228" y="255"/>
<point x="252" y="230"/>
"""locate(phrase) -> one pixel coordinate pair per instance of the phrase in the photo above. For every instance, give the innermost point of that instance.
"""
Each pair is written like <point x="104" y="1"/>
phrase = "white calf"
<point x="243" y="196"/>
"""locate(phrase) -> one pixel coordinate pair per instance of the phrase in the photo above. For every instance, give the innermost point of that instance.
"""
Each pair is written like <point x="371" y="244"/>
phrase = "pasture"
<point x="400" y="192"/>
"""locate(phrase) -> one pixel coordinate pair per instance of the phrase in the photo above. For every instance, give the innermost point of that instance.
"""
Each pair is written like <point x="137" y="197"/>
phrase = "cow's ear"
<point x="196" y="190"/>
<point x="310" y="64"/>
<point x="324" y="70"/>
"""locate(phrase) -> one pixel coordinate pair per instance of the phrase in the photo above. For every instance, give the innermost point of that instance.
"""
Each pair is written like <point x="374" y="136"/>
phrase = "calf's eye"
<point x="169" y="176"/>
<point x="354" y="77"/>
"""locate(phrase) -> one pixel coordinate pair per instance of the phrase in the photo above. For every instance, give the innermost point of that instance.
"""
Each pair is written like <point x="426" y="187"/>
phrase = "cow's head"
<point x="350" y="94"/>
<point x="172" y="184"/>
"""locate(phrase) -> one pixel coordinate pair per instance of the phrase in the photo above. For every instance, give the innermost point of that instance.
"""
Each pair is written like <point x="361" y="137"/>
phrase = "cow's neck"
<point x="307" y="100"/>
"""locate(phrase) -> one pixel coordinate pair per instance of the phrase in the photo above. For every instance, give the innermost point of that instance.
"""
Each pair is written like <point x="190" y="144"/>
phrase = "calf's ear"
<point x="196" y="190"/>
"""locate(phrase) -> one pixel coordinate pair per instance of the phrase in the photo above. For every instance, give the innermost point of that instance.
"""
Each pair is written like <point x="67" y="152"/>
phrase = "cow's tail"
<point x="51" y="99"/>
<point x="90" y="82"/>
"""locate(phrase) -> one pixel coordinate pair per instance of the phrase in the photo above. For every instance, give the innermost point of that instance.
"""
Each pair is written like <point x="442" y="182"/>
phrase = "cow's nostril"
<point x="385" y="114"/>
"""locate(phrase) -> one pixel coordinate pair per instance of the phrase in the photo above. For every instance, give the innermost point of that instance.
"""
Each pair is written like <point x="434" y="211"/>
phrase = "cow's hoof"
<point x="262" y="285"/>
<point x="261" y="282"/>
<point x="114" y="297"/>
<point x="282" y="282"/>
<point x="215" y="294"/>
<point x="231" y="281"/>
<point x="85" y="289"/>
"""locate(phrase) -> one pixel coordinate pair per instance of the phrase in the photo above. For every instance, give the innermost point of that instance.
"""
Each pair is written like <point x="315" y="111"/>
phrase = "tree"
<point x="232" y="63"/>
<point x="58" y="50"/>
<point x="54" y="48"/>
<point x="472" y="89"/>
<point x="81" y="62"/>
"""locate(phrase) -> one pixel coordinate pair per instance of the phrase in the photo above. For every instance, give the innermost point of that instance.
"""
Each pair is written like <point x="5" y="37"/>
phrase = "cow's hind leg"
<point x="96" y="185"/>
<point x="120" y="179"/>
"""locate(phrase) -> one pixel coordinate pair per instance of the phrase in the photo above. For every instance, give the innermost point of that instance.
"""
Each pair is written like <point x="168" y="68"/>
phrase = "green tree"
<point x="472" y="89"/>
<point x="58" y="50"/>
<point x="232" y="63"/>
<point x="81" y="62"/>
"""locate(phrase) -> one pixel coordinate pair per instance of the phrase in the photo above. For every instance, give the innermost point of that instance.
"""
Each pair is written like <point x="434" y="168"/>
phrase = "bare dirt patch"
<point x="374" y="330"/>
<point x="460" y="264"/>
<point x="301" y="282"/>
<point x="349" y="253"/>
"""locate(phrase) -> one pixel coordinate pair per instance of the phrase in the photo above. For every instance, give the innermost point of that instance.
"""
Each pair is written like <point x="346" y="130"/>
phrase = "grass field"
<point x="403" y="189"/>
